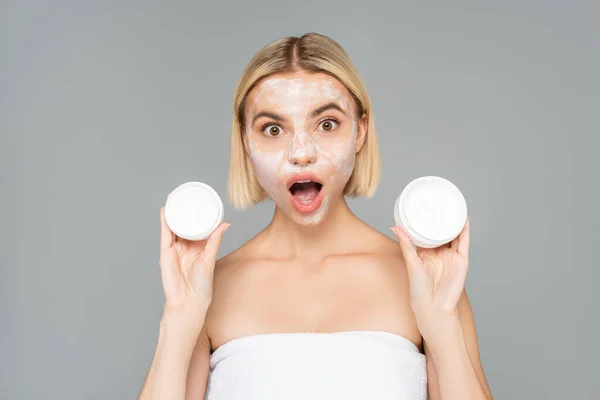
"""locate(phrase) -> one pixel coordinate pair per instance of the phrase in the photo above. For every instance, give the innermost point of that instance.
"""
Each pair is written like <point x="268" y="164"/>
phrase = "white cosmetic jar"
<point x="193" y="211"/>
<point x="432" y="210"/>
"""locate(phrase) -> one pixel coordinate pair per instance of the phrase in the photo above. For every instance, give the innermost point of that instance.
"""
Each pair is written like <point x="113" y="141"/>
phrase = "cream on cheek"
<point x="342" y="156"/>
<point x="267" y="166"/>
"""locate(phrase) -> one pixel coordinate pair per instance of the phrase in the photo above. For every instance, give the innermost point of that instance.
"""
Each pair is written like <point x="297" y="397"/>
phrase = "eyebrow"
<point x="326" y="107"/>
<point x="268" y="115"/>
<point x="316" y="112"/>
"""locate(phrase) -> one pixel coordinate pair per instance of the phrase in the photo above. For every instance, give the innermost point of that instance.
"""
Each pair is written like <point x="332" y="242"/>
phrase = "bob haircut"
<point x="314" y="53"/>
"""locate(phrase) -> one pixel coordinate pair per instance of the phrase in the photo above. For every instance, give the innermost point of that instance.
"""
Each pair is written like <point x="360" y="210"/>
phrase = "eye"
<point x="271" y="130"/>
<point x="329" y="124"/>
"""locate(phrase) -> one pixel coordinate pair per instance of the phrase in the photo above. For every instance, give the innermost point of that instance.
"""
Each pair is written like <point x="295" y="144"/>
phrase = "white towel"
<point x="342" y="365"/>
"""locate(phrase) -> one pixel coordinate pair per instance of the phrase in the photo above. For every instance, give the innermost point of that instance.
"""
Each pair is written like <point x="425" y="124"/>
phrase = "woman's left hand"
<point x="436" y="276"/>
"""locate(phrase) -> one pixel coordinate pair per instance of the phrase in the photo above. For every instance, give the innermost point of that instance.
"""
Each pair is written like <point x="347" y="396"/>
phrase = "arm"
<point x="444" y="316"/>
<point x="197" y="377"/>
<point x="168" y="372"/>
<point x="453" y="364"/>
<point x="187" y="269"/>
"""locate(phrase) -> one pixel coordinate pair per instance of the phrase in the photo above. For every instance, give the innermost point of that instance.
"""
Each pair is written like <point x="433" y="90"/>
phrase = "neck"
<point x="312" y="242"/>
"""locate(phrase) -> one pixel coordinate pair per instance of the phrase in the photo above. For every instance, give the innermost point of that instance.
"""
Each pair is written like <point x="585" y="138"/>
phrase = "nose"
<point x="302" y="150"/>
<point x="302" y="158"/>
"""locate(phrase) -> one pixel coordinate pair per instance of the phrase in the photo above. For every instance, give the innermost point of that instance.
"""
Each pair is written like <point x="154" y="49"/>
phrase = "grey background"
<point x="107" y="106"/>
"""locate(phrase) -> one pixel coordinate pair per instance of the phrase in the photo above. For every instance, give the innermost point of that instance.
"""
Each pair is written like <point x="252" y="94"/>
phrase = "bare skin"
<point x="302" y="274"/>
<point x="347" y="286"/>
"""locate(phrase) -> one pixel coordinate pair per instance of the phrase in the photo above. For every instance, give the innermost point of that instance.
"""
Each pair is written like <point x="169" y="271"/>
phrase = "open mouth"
<point x="305" y="192"/>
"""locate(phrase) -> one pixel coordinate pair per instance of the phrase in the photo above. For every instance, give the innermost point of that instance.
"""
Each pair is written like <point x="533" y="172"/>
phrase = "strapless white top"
<point x="340" y="365"/>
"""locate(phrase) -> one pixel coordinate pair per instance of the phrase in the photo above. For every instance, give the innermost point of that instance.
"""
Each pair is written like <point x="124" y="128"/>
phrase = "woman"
<point x="318" y="305"/>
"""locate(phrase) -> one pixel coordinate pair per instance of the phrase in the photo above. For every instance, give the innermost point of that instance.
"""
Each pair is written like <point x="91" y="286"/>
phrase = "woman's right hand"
<point x="187" y="268"/>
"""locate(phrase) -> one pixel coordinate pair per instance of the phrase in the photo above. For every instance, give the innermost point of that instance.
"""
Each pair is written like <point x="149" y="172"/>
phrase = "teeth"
<point x="303" y="181"/>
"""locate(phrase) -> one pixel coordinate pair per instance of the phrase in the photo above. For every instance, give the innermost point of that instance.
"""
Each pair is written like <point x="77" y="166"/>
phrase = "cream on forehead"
<point x="297" y="92"/>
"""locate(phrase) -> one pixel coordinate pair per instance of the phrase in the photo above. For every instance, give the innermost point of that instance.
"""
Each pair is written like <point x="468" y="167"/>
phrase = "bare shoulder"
<point x="231" y="275"/>
<point x="376" y="261"/>
<point x="226" y="269"/>
<point x="381" y="249"/>
<point x="228" y="263"/>
<point x="379" y="258"/>
<point x="376" y="274"/>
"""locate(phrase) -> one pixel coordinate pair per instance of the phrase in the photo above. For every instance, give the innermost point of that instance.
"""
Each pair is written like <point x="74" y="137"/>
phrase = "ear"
<point x="361" y="131"/>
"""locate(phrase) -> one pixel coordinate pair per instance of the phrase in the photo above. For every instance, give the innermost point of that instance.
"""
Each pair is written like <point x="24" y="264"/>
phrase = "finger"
<point x="212" y="244"/>
<point x="454" y="244"/>
<point x="409" y="253"/>
<point x="166" y="236"/>
<point x="173" y="235"/>
<point x="169" y="265"/>
<point x="464" y="239"/>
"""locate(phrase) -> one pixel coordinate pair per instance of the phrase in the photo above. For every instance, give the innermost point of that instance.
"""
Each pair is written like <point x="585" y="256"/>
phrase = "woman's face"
<point x="302" y="135"/>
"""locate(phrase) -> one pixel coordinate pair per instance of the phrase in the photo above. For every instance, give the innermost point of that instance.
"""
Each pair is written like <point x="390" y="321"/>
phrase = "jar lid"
<point x="434" y="208"/>
<point x="193" y="211"/>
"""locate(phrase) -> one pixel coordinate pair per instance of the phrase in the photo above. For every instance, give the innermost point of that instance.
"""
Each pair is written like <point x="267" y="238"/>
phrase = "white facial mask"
<point x="302" y="146"/>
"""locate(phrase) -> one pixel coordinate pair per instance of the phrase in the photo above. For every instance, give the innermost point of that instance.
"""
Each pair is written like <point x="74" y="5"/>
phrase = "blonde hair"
<point x="311" y="52"/>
